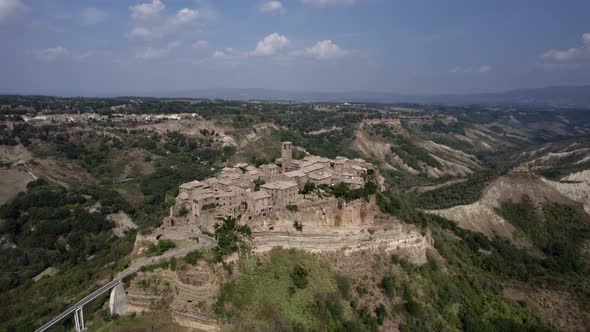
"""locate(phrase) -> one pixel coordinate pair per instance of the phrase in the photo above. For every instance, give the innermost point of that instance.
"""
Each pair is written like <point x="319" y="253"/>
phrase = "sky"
<point x="117" y="47"/>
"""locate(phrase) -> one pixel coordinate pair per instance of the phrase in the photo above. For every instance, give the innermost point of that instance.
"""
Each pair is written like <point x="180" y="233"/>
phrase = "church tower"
<point x="286" y="156"/>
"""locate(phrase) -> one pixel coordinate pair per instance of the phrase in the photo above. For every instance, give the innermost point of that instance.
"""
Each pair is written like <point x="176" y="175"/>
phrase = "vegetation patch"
<point x="228" y="235"/>
<point x="461" y="193"/>
<point x="52" y="225"/>
<point x="472" y="253"/>
<point x="161" y="247"/>
<point x="291" y="291"/>
<point x="559" y="232"/>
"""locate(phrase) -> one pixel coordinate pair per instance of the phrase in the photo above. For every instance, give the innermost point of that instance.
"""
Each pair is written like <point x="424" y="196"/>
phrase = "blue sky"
<point x="98" y="47"/>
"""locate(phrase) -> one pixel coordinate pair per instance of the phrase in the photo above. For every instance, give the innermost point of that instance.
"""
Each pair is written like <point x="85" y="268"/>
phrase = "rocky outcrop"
<point x="48" y="272"/>
<point x="481" y="216"/>
<point x="188" y="294"/>
<point x="575" y="186"/>
<point x="327" y="212"/>
<point x="122" y="222"/>
<point x="453" y="162"/>
<point x="395" y="238"/>
<point x="327" y="227"/>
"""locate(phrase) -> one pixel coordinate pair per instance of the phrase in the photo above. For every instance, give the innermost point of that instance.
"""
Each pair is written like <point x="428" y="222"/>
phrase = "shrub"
<point x="381" y="313"/>
<point x="299" y="276"/>
<point x="343" y="283"/>
<point x="227" y="234"/>
<point x="307" y="188"/>
<point x="257" y="183"/>
<point x="298" y="226"/>
<point x="161" y="247"/>
<point x="183" y="211"/>
<point x="193" y="257"/>
<point x="209" y="206"/>
<point x="388" y="286"/>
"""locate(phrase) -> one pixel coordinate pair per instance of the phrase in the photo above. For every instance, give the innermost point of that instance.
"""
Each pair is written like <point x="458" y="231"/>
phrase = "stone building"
<point x="258" y="202"/>
<point x="300" y="177"/>
<point x="282" y="193"/>
<point x="269" y="172"/>
<point x="322" y="177"/>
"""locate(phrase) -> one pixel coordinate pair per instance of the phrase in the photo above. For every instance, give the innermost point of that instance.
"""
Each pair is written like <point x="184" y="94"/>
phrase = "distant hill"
<point x="556" y="96"/>
<point x="559" y="96"/>
<point x="564" y="96"/>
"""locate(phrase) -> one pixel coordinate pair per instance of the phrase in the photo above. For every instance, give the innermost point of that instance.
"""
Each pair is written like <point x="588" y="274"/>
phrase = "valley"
<point x="380" y="217"/>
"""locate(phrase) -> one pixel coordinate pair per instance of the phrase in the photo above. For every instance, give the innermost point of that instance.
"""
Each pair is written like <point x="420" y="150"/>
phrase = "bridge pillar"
<point x="79" y="319"/>
<point x="118" y="300"/>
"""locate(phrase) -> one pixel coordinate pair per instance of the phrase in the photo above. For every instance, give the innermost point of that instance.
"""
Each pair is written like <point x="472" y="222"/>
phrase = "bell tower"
<point x="286" y="155"/>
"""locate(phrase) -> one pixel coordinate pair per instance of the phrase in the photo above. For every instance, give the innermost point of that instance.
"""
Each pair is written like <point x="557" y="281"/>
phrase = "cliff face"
<point x="324" y="213"/>
<point x="188" y="294"/>
<point x="575" y="186"/>
<point x="348" y="228"/>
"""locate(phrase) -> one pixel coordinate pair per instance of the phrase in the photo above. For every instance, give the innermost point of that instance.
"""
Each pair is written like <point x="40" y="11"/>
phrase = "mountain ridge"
<point x="551" y="96"/>
<point x="554" y="96"/>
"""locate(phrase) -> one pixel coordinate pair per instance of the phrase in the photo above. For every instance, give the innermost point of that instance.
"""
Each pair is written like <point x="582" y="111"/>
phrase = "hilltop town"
<point x="249" y="193"/>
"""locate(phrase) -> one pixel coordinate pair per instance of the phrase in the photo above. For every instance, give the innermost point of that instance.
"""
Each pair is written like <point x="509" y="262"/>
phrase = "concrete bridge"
<point x="117" y="299"/>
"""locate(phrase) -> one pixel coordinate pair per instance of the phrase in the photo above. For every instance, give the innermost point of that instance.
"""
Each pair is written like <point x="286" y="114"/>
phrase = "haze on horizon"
<point x="98" y="47"/>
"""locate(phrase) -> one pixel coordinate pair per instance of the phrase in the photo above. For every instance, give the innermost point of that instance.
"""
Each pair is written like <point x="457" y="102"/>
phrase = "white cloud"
<point x="152" y="23"/>
<point x="272" y="7"/>
<point x="229" y="55"/>
<point x="570" y="55"/>
<point x="187" y="15"/>
<point x="329" y="3"/>
<point x="325" y="49"/>
<point x="174" y="44"/>
<point x="92" y="55"/>
<point x="9" y="7"/>
<point x="145" y="33"/>
<point x="146" y="11"/>
<point x="152" y="53"/>
<point x="276" y="45"/>
<point x="91" y="16"/>
<point x="271" y="44"/>
<point x="483" y="69"/>
<point x="218" y="54"/>
<point x="86" y="55"/>
<point x="51" y="54"/>
<point x="565" y="55"/>
<point x="200" y="45"/>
